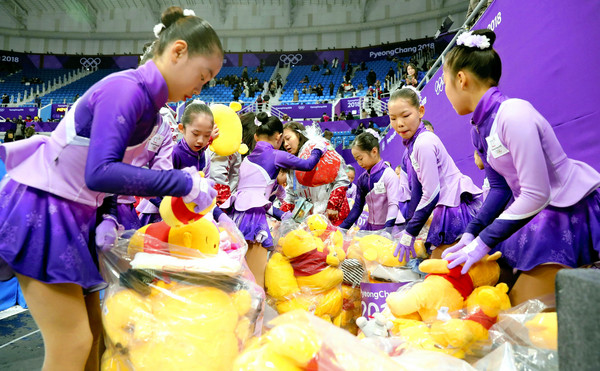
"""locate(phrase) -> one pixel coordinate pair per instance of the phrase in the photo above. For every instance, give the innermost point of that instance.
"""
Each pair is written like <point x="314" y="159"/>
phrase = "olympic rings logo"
<point x="90" y="62"/>
<point x="290" y="58"/>
<point x="439" y="85"/>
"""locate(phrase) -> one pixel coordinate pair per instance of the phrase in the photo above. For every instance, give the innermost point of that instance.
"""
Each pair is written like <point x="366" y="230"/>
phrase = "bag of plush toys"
<point x="180" y="296"/>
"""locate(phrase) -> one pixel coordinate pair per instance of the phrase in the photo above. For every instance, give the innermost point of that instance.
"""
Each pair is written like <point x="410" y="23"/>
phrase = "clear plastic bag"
<point x="304" y="271"/>
<point x="171" y="307"/>
<point x="301" y="341"/>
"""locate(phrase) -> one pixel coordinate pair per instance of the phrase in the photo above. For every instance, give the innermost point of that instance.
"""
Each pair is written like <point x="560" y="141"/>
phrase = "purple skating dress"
<point x="249" y="206"/>
<point x="379" y="188"/>
<point x="48" y="199"/>
<point x="438" y="187"/>
<point x="554" y="216"/>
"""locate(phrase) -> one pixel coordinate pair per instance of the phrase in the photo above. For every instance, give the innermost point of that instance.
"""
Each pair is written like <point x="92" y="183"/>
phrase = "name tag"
<point x="379" y="188"/>
<point x="155" y="142"/>
<point x="496" y="147"/>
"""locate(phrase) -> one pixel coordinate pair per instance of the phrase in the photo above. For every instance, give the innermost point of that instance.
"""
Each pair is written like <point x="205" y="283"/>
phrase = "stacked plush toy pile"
<point x="176" y="300"/>
<point x="304" y="272"/>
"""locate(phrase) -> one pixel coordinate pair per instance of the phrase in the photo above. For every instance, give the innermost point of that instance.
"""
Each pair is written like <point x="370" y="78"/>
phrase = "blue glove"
<point x="406" y="247"/>
<point x="466" y="239"/>
<point x="202" y="193"/>
<point x="468" y="255"/>
<point x="106" y="233"/>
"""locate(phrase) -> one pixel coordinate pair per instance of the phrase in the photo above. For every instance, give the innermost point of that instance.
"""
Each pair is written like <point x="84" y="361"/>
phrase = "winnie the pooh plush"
<point x="300" y="341"/>
<point x="176" y="328"/>
<point x="457" y="336"/>
<point x="305" y="274"/>
<point x="181" y="226"/>
<point x="442" y="288"/>
<point x="227" y="120"/>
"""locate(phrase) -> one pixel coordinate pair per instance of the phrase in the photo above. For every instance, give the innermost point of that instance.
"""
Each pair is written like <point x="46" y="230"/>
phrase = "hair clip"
<point x="188" y="12"/>
<point x="157" y="28"/>
<point x="374" y="133"/>
<point x="471" y="40"/>
<point x="257" y="122"/>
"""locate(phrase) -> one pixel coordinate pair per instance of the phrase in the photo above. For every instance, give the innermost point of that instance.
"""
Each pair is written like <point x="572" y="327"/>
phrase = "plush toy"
<point x="305" y="274"/>
<point x="378" y="253"/>
<point x="229" y="139"/>
<point x="181" y="226"/>
<point x="442" y="288"/>
<point x="301" y="342"/>
<point x="180" y="328"/>
<point x="457" y="336"/>
<point x="543" y="330"/>
<point x="326" y="170"/>
<point x="379" y="326"/>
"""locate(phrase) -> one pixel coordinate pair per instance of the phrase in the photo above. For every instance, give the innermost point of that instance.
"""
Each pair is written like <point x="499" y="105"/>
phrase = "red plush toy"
<point x="326" y="170"/>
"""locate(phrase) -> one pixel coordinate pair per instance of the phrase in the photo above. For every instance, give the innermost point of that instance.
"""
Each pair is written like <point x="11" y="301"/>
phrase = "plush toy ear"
<point x="243" y="149"/>
<point x="493" y="257"/>
<point x="439" y="266"/>
<point x="236" y="106"/>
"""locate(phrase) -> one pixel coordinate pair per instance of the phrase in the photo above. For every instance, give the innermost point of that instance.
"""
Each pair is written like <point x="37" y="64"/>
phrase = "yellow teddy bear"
<point x="457" y="336"/>
<point x="306" y="275"/>
<point x="181" y="226"/>
<point x="229" y="139"/>
<point x="442" y="288"/>
<point x="176" y="328"/>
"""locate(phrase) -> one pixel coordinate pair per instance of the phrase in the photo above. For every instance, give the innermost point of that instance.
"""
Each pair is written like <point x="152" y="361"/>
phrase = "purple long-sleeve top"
<point x="523" y="160"/>
<point x="259" y="171"/>
<point x="441" y="182"/>
<point x="379" y="188"/>
<point x="183" y="157"/>
<point x="91" y="150"/>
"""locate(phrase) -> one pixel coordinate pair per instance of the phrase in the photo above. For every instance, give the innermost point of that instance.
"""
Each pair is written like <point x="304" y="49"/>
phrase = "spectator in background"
<point x="38" y="101"/>
<point x="325" y="63"/>
<point x="371" y="78"/>
<point x="245" y="73"/>
<point x="259" y="103"/>
<point x="314" y="68"/>
<point x="428" y="125"/>
<point x="29" y="131"/>
<point x="304" y="90"/>
<point x="358" y="130"/>
<point x="411" y="75"/>
<point x="360" y="86"/>
<point x="331" y="87"/>
<point x="363" y="66"/>
<point x="285" y="118"/>
<point x="334" y="63"/>
<point x="36" y="119"/>
<point x="326" y="72"/>
<point x="28" y="118"/>
<point x="350" y="116"/>
<point x="325" y="118"/>
<point x="343" y="115"/>
<point x="319" y="90"/>
<point x="327" y="134"/>
<point x="9" y="136"/>
<point x="266" y="99"/>
<point x="296" y="95"/>
<point x="305" y="80"/>
<point x="472" y="5"/>
<point x="363" y="114"/>
<point x="373" y="113"/>
<point x="391" y="73"/>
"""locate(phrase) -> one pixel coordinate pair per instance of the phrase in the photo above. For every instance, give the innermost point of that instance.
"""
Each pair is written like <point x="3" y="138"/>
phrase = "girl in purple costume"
<point x="197" y="126"/>
<point x="437" y="186"/>
<point x="159" y="158"/>
<point x="378" y="186"/>
<point x="250" y="205"/>
<point x="156" y="156"/>
<point x="46" y="219"/>
<point x="554" y="218"/>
